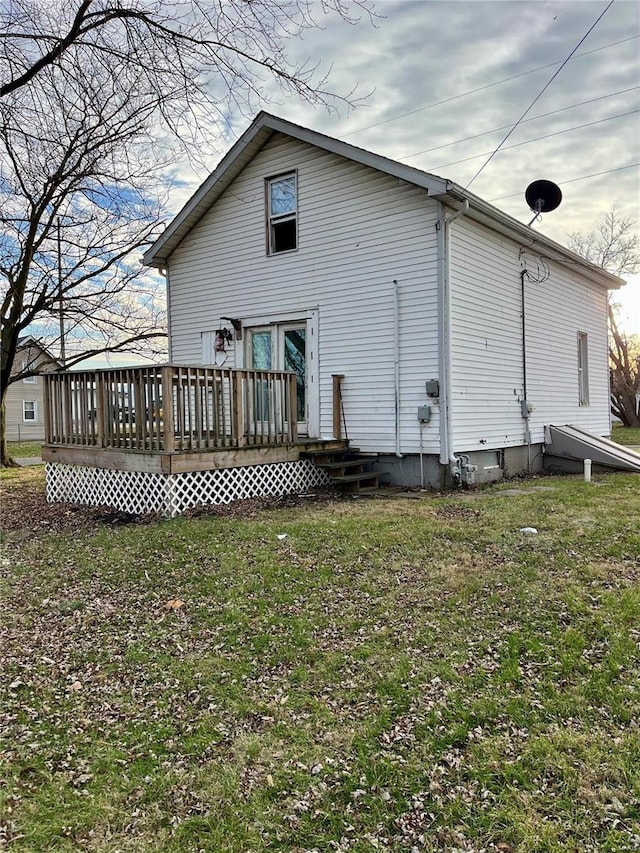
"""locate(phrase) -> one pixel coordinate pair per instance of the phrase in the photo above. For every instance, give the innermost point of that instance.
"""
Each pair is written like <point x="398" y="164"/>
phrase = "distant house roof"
<point x="265" y="126"/>
<point x="27" y="341"/>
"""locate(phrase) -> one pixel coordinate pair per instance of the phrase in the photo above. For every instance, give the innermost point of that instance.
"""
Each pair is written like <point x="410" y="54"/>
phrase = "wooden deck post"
<point x="167" y="409"/>
<point x="337" y="404"/>
<point x="293" y="407"/>
<point x="47" y="409"/>
<point x="237" y="379"/>
<point x="100" y="411"/>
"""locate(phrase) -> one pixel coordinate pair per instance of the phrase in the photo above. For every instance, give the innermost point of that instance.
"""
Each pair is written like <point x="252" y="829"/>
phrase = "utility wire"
<point x="535" y="139"/>
<point x="574" y="180"/>
<point x="533" y="118"/>
<point x="482" y="88"/>
<point x="541" y="92"/>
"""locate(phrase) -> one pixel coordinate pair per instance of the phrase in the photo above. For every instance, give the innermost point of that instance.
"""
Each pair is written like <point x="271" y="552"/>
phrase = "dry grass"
<point x="392" y="675"/>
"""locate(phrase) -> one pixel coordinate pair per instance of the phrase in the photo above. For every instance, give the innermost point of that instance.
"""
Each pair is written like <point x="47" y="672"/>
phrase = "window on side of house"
<point x="29" y="411"/>
<point x="28" y="380"/>
<point x="583" y="369"/>
<point x="282" y="213"/>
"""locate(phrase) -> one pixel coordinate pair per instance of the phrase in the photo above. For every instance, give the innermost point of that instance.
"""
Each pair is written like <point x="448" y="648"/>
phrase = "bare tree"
<point x="614" y="246"/>
<point x="197" y="57"/>
<point x="97" y="100"/>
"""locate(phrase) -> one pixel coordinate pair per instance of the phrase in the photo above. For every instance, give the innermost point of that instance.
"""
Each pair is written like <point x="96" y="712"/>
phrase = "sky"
<point x="437" y="73"/>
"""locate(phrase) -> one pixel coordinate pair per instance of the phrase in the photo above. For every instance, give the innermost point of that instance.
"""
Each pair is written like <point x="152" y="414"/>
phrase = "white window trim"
<point x="34" y="419"/>
<point x="583" y="369"/>
<point x="28" y="380"/>
<point x="310" y="315"/>
<point x="284" y="217"/>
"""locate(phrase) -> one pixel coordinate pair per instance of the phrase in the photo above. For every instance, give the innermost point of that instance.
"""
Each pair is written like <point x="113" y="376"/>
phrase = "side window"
<point x="282" y="213"/>
<point x="29" y="380"/>
<point x="29" y="410"/>
<point x="583" y="369"/>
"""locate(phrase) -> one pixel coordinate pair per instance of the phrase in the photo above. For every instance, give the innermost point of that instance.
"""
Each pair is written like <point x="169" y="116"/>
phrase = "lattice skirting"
<point x="171" y="494"/>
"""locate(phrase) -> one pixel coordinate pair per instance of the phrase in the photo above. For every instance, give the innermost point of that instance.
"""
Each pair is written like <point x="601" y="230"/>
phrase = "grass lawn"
<point x="625" y="435"/>
<point x="22" y="449"/>
<point x="379" y="674"/>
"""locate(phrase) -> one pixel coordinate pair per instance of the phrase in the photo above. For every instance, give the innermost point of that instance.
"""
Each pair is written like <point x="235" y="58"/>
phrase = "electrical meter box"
<point x="424" y="414"/>
<point x="433" y="388"/>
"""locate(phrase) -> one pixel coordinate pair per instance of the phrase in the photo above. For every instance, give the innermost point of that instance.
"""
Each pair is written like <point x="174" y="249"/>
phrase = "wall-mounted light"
<point x="237" y="326"/>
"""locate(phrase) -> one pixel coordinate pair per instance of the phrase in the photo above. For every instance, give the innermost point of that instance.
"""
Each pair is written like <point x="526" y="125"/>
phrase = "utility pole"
<point x="62" y="345"/>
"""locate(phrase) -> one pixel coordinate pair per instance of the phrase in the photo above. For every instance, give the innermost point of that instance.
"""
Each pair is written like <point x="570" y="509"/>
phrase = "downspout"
<point x="396" y="352"/>
<point x="447" y="457"/>
<point x="525" y="408"/>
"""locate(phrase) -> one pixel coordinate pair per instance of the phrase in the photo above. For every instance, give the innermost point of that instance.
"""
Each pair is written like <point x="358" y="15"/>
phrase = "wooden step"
<point x="347" y="469"/>
<point x="343" y="463"/>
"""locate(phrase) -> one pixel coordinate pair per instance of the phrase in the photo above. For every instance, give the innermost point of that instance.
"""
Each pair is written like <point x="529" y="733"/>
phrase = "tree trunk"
<point x="5" y="460"/>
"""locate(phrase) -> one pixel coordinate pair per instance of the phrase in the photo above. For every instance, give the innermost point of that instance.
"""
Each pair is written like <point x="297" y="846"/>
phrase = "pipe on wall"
<point x="447" y="455"/>
<point x="396" y="352"/>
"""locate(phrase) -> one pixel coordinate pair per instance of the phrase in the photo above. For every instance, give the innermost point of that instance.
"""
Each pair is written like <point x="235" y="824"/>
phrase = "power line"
<point x="574" y="180"/>
<point x="535" y="139"/>
<point x="482" y="88"/>
<point x="533" y="118"/>
<point x="541" y="92"/>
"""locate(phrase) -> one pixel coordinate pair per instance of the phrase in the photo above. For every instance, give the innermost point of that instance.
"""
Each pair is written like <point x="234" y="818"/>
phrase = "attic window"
<point x="28" y="380"/>
<point x="282" y="208"/>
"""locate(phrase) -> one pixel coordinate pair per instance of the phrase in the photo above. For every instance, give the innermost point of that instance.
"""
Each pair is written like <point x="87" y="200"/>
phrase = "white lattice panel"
<point x="139" y="492"/>
<point x="235" y="484"/>
<point x="129" y="491"/>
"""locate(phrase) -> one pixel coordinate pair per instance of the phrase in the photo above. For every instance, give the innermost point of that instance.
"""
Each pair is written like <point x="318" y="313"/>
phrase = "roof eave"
<point x="251" y="141"/>
<point x="485" y="213"/>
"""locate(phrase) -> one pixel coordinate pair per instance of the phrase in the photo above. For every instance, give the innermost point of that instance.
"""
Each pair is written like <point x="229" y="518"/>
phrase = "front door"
<point x="283" y="346"/>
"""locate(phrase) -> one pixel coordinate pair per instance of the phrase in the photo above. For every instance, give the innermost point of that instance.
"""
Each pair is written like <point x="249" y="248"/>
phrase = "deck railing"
<point x="170" y="408"/>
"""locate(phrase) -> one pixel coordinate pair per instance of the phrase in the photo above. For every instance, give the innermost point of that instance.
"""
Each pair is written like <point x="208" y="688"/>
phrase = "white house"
<point x="319" y="293"/>
<point x="415" y="290"/>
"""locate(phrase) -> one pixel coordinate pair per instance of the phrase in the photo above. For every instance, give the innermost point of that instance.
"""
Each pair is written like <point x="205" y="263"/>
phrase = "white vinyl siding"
<point x="358" y="230"/>
<point x="488" y="368"/>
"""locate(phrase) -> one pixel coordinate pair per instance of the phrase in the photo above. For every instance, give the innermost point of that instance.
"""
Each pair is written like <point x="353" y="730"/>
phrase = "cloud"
<point x="487" y="61"/>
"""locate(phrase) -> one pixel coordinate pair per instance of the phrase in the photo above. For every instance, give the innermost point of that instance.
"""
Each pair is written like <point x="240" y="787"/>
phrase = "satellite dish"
<point x="543" y="197"/>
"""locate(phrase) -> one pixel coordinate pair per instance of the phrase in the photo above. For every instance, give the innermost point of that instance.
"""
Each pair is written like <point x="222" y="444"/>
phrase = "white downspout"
<point x="447" y="457"/>
<point x="396" y="352"/>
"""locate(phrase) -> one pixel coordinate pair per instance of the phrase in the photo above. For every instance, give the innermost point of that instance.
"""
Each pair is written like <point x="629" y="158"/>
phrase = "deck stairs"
<point x="348" y="469"/>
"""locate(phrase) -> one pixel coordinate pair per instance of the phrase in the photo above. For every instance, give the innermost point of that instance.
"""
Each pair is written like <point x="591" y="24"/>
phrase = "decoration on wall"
<point x="223" y="337"/>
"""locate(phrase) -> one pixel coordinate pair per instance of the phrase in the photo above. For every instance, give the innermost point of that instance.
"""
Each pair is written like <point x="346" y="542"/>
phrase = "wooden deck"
<point x="173" y="419"/>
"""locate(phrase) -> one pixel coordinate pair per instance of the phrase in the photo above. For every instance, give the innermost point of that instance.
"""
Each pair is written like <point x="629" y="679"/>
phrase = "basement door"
<point x="283" y="346"/>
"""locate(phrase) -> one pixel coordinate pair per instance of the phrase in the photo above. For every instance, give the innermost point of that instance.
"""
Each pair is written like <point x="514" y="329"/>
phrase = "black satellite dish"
<point x="542" y="197"/>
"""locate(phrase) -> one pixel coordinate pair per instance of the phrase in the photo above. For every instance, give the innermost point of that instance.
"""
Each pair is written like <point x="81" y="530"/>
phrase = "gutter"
<point x="495" y="219"/>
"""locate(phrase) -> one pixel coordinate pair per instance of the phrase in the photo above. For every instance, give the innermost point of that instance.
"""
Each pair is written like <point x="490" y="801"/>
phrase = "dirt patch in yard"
<point x="24" y="509"/>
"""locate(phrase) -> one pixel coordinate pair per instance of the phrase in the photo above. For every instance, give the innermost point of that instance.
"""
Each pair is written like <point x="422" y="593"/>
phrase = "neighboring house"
<point x="416" y="320"/>
<point x="24" y="401"/>
<point x="417" y="291"/>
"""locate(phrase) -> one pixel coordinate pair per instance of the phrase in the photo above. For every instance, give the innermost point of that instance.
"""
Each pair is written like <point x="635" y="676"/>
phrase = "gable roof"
<point x="266" y="125"/>
<point x="44" y="362"/>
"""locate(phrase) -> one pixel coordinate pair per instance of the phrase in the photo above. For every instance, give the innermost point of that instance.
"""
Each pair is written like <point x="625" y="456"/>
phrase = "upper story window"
<point x="282" y="210"/>
<point x="583" y="369"/>
<point x="28" y="380"/>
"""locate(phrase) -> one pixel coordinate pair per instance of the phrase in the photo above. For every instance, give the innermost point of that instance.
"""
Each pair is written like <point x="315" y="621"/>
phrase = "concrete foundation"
<point x="478" y="467"/>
